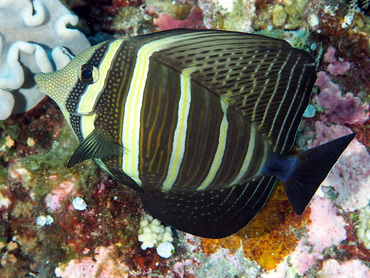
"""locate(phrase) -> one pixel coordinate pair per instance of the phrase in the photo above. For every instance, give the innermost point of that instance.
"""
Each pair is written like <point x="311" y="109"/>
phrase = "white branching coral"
<point x="152" y="232"/>
<point x="33" y="35"/>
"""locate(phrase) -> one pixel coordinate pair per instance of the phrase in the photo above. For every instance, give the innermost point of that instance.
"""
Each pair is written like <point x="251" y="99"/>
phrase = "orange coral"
<point x="269" y="237"/>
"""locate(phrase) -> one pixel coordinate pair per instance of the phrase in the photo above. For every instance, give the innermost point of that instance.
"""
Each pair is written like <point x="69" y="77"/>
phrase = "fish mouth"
<point x="48" y="83"/>
<point x="38" y="79"/>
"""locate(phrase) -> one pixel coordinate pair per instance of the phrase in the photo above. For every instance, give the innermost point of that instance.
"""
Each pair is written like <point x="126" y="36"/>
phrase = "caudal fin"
<point x="311" y="169"/>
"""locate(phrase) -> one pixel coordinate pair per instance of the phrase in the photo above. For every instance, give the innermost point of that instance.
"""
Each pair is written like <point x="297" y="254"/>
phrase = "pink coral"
<point x="327" y="228"/>
<point x="194" y="20"/>
<point x="339" y="109"/>
<point x="104" y="265"/>
<point x="326" y="133"/>
<point x="302" y="259"/>
<point x="335" y="67"/>
<point x="54" y="198"/>
<point x="353" y="268"/>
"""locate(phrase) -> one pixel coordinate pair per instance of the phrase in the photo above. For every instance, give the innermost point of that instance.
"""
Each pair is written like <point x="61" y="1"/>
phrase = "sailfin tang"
<point x="95" y="145"/>
<point x="210" y="214"/>
<point x="311" y="169"/>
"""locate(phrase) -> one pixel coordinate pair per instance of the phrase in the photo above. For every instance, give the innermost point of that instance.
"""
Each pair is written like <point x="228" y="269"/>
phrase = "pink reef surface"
<point x="335" y="66"/>
<point x="101" y="266"/>
<point x="194" y="20"/>
<point x="339" y="108"/>
<point x="325" y="229"/>
<point x="53" y="200"/>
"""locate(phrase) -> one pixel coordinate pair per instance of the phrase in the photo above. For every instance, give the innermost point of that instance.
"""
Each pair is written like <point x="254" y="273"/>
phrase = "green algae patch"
<point x="53" y="162"/>
<point x="238" y="17"/>
<point x="295" y="10"/>
<point x="9" y="130"/>
<point x="55" y="159"/>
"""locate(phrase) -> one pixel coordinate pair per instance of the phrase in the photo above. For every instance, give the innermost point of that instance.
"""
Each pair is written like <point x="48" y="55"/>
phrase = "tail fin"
<point x="311" y="169"/>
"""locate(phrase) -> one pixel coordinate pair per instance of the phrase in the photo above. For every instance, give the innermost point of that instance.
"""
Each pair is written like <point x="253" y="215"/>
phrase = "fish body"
<point x="199" y="122"/>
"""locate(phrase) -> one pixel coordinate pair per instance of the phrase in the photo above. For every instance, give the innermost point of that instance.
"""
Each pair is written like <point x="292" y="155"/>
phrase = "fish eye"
<point x="88" y="74"/>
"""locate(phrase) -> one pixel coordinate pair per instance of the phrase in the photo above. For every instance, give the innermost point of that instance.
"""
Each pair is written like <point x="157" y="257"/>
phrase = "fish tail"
<point x="310" y="170"/>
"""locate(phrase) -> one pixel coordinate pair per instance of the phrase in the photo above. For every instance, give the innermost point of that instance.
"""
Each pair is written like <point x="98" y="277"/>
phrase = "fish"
<point x="201" y="123"/>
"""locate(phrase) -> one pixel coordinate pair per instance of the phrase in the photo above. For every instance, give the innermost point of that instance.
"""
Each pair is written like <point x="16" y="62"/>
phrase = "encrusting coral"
<point x="31" y="32"/>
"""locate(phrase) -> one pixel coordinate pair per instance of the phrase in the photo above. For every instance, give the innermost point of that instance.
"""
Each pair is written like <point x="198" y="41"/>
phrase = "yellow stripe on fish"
<point x="178" y="146"/>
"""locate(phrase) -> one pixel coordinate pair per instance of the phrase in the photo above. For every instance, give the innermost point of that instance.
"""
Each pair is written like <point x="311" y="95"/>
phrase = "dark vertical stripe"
<point x="202" y="138"/>
<point x="75" y="121"/>
<point x="158" y="122"/>
<point x="238" y="136"/>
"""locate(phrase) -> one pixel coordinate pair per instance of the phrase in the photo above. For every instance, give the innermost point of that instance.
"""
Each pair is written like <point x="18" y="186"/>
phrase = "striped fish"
<point x="199" y="122"/>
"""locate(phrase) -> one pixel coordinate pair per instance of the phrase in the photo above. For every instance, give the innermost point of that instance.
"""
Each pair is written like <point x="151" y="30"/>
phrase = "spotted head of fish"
<point x="59" y="84"/>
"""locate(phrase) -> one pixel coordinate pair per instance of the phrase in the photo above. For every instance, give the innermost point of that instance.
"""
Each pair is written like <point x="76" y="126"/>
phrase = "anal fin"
<point x="211" y="214"/>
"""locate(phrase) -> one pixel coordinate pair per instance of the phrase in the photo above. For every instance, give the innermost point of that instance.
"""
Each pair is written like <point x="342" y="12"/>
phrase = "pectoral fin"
<point x="95" y="145"/>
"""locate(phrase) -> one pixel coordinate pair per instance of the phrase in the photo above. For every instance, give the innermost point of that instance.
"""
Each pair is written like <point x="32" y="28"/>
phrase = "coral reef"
<point x="34" y="34"/>
<point x="36" y="187"/>
<point x="335" y="66"/>
<point x="78" y="222"/>
<point x="353" y="268"/>
<point x="325" y="231"/>
<point x="348" y="180"/>
<point x="339" y="108"/>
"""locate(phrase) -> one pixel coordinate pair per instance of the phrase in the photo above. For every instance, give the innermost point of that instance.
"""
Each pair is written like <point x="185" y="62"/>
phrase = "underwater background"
<point x="78" y="222"/>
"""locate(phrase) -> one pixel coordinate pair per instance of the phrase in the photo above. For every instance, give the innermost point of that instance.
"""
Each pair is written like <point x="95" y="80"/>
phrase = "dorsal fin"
<point x="265" y="79"/>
